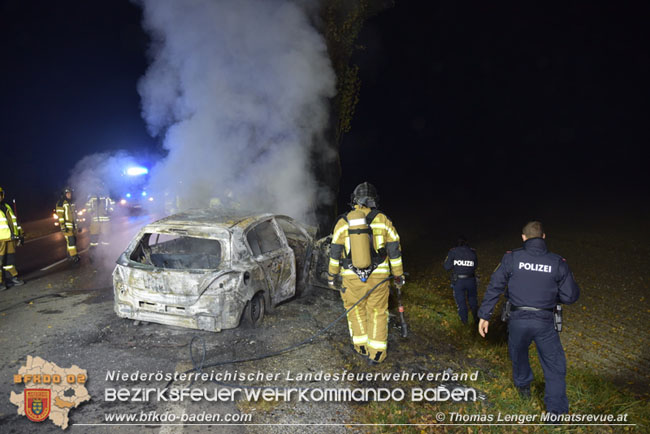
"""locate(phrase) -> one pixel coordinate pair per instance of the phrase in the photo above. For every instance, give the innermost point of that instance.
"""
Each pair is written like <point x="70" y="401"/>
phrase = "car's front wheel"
<point x="254" y="311"/>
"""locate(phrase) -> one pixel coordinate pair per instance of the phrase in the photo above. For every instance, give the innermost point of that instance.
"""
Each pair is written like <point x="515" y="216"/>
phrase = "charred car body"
<point x="210" y="269"/>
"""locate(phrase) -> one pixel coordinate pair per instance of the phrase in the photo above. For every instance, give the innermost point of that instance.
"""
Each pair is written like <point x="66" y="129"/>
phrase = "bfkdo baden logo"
<point x="37" y="404"/>
<point x="50" y="391"/>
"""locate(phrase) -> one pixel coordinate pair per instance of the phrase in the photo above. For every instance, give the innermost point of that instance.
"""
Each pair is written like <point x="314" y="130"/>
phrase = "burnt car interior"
<point x="177" y="252"/>
<point x="299" y="243"/>
<point x="263" y="239"/>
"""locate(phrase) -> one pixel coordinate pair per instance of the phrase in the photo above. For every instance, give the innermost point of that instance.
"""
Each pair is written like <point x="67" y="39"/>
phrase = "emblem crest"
<point x="38" y="404"/>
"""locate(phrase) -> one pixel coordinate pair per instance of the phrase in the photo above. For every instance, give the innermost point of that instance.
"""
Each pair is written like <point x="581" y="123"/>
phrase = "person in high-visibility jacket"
<point x="65" y="209"/>
<point x="365" y="248"/>
<point x="11" y="234"/>
<point x="99" y="209"/>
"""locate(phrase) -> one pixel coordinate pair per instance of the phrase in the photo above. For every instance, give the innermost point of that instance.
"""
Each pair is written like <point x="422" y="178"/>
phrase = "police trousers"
<point x="368" y="321"/>
<point x="465" y="292"/>
<point x="525" y="327"/>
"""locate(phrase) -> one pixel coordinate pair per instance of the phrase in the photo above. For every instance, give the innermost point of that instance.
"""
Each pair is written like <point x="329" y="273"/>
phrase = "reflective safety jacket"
<point x="67" y="215"/>
<point x="100" y="208"/>
<point x="8" y="223"/>
<point x="384" y="239"/>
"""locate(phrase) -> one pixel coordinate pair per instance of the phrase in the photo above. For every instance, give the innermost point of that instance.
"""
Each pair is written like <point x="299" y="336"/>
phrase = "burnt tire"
<point x="254" y="311"/>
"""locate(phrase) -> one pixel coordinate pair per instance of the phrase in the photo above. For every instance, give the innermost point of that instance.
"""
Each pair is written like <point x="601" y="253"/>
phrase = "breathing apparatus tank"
<point x="360" y="242"/>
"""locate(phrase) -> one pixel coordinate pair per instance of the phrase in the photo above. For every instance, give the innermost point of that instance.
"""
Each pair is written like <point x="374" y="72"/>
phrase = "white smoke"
<point x="239" y="90"/>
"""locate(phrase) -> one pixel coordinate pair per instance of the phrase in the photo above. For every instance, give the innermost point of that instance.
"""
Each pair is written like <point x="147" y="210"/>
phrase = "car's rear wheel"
<point x="254" y="311"/>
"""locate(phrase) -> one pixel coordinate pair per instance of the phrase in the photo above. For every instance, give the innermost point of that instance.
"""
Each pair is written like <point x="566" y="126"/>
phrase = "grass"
<point x="431" y="312"/>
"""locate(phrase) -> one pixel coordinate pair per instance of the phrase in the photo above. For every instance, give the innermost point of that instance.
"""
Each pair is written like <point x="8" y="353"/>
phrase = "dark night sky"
<point x="466" y="103"/>
<point x="491" y="104"/>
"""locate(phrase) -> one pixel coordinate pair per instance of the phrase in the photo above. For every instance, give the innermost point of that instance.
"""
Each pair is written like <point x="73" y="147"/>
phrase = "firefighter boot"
<point x="16" y="281"/>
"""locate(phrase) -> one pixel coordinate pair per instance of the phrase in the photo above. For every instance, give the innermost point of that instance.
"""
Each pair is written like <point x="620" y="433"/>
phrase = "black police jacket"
<point x="534" y="276"/>
<point x="462" y="260"/>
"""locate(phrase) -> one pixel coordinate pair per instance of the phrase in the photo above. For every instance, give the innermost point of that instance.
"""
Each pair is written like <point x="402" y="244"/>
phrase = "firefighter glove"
<point x="400" y="281"/>
<point x="333" y="281"/>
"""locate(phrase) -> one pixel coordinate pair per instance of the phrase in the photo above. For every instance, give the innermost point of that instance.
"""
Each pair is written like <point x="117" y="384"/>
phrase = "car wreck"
<point x="211" y="269"/>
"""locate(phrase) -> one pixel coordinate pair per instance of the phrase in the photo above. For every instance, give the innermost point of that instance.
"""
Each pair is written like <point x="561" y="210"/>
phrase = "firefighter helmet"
<point x="365" y="194"/>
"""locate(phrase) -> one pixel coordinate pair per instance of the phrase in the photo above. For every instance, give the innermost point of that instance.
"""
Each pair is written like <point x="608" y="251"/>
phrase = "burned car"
<point x="210" y="269"/>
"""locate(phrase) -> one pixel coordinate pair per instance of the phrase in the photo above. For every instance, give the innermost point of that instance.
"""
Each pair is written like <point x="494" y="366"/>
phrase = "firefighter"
<point x="462" y="262"/>
<point x="67" y="222"/>
<point x="365" y="248"/>
<point x="536" y="280"/>
<point x="99" y="208"/>
<point x="11" y="235"/>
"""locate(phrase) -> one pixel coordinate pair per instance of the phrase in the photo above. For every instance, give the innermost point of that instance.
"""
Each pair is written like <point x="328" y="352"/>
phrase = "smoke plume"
<point x="239" y="90"/>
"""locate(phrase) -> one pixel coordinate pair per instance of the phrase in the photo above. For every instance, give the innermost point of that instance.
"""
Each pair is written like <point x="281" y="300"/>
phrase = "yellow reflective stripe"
<point x="347" y="272"/>
<point x="334" y="262"/>
<point x="8" y="267"/>
<point x="359" y="340"/>
<point x="338" y="233"/>
<point x="396" y="262"/>
<point x="377" y="345"/>
<point x="357" y="222"/>
<point x="374" y="322"/>
<point x="391" y="232"/>
<point x="359" y="321"/>
<point x="380" y="241"/>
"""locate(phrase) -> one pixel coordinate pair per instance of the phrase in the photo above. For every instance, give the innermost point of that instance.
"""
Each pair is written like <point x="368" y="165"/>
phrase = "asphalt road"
<point x="42" y="253"/>
<point x="65" y="316"/>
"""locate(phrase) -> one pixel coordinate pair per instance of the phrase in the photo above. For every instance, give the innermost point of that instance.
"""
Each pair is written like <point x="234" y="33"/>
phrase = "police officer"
<point x="462" y="262"/>
<point x="537" y="280"/>
<point x="11" y="235"/>
<point x="366" y="246"/>
<point x="67" y="222"/>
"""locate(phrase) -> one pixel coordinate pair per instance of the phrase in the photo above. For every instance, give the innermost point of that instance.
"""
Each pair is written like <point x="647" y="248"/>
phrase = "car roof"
<point x="224" y="217"/>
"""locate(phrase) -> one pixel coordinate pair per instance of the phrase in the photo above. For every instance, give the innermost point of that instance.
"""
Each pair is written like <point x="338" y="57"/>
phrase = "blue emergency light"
<point x="137" y="171"/>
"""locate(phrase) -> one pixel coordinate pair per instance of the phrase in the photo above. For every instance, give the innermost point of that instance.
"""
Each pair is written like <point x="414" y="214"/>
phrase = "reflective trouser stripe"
<point x="71" y="245"/>
<point x="11" y="269"/>
<point x="360" y="322"/>
<point x="377" y="345"/>
<point x="374" y="322"/>
<point x="8" y="259"/>
<point x="359" y="340"/>
<point x="334" y="262"/>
